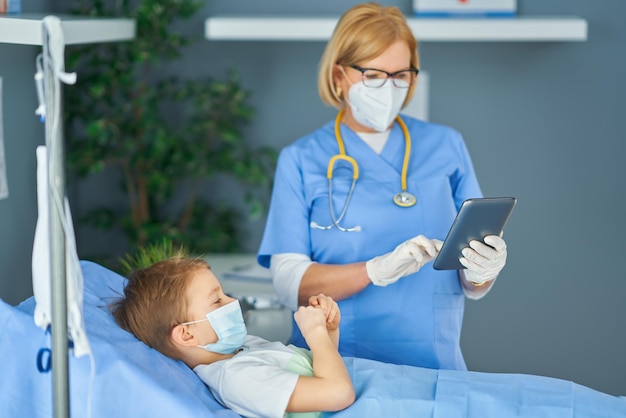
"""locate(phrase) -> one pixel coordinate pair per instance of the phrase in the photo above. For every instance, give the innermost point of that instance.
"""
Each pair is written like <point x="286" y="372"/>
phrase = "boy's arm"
<point x="330" y="387"/>
<point x="334" y="337"/>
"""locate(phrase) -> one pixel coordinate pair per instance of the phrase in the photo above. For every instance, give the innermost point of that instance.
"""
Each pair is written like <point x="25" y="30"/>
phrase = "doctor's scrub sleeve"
<point x="287" y="226"/>
<point x="416" y="321"/>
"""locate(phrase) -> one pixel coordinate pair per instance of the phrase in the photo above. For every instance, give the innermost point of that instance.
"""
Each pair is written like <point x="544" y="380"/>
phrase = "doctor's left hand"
<point x="484" y="261"/>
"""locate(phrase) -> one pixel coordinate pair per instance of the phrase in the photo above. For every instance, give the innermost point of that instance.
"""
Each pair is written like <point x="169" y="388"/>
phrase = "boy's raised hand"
<point x="330" y="309"/>
<point x="322" y="311"/>
<point x="310" y="318"/>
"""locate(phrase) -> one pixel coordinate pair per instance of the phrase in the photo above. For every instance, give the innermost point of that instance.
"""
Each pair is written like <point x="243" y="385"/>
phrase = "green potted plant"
<point x="119" y="117"/>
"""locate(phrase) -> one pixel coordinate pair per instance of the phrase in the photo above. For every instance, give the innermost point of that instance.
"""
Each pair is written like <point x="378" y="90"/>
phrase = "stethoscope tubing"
<point x="402" y="199"/>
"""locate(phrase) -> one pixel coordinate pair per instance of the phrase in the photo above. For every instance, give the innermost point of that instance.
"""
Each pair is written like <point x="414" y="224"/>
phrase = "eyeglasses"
<point x="372" y="77"/>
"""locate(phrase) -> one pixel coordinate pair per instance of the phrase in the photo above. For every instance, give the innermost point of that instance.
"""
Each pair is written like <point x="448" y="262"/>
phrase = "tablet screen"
<point x="476" y="219"/>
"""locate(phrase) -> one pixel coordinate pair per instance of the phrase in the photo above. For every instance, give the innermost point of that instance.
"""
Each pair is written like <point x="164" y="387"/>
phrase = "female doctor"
<point x="359" y="206"/>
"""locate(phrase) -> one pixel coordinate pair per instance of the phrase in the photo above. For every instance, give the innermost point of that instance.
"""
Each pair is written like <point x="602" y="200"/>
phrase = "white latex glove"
<point x="405" y="259"/>
<point x="484" y="262"/>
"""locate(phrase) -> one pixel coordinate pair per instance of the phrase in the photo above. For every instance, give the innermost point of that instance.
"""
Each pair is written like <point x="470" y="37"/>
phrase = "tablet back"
<point x="476" y="219"/>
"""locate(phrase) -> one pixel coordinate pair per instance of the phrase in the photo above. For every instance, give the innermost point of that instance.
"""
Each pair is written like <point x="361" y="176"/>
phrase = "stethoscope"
<point x="403" y="199"/>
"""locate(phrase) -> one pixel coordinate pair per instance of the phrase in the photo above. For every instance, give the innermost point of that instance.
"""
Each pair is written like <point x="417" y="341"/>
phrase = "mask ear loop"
<point x="338" y="95"/>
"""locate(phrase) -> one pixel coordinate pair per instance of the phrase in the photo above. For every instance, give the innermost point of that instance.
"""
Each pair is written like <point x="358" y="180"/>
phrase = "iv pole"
<point x="53" y="57"/>
<point x="65" y="302"/>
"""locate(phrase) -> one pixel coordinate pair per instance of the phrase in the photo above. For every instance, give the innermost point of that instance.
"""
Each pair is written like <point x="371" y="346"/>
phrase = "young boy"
<point x="178" y="307"/>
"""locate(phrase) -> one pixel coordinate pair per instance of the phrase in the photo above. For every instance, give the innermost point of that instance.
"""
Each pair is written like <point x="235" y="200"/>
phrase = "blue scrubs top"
<point x="417" y="320"/>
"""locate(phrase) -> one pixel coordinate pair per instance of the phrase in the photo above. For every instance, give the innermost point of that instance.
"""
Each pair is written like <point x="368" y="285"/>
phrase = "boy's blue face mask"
<point x="227" y="322"/>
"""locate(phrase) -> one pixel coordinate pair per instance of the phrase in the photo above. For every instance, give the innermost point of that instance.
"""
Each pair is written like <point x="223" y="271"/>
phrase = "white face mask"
<point x="376" y="107"/>
<point x="227" y="322"/>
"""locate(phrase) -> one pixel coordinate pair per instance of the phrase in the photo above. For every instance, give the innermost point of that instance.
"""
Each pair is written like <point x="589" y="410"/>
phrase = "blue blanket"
<point x="133" y="380"/>
<point x="406" y="391"/>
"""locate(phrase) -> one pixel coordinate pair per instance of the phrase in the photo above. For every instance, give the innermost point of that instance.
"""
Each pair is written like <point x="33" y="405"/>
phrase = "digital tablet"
<point x="476" y="219"/>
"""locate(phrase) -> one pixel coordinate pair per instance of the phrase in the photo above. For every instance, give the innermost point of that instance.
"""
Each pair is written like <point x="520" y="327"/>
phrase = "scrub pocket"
<point x="448" y="314"/>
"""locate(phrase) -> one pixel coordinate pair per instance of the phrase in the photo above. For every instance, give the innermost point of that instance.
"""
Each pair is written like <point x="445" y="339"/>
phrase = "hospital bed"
<point x="122" y="377"/>
<point x="126" y="378"/>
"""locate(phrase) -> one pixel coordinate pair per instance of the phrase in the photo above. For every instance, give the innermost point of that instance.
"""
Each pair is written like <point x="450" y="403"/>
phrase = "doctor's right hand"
<point x="405" y="259"/>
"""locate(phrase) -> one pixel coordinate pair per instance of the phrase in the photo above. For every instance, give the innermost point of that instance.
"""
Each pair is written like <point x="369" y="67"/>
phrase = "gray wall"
<point x="543" y="122"/>
<point x="22" y="134"/>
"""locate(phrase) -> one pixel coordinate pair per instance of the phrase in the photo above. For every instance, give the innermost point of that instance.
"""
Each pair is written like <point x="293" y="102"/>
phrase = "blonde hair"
<point x="364" y="32"/>
<point x="155" y="301"/>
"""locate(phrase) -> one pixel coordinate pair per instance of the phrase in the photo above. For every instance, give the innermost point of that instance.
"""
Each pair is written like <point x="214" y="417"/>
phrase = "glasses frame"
<point x="414" y="71"/>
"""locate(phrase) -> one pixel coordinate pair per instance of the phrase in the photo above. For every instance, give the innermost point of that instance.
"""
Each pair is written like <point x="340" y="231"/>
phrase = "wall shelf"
<point x="282" y="28"/>
<point x="26" y="29"/>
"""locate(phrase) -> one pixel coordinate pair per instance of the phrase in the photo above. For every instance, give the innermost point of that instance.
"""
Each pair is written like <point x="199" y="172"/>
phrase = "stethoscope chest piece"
<point x="404" y="199"/>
